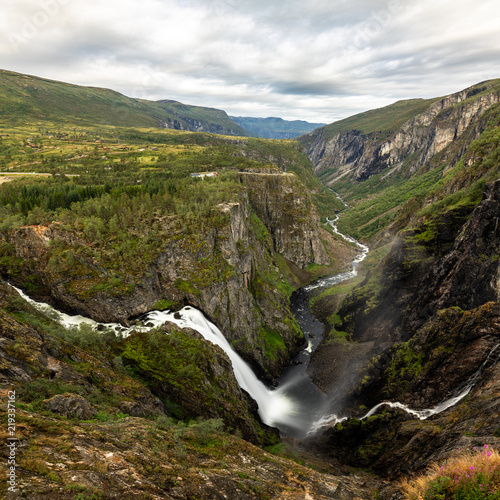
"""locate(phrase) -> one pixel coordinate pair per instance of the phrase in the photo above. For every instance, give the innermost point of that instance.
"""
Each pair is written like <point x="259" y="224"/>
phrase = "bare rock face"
<point x="70" y="406"/>
<point x="446" y="121"/>
<point x="143" y="407"/>
<point x="233" y="271"/>
<point x="48" y="371"/>
<point x="285" y="208"/>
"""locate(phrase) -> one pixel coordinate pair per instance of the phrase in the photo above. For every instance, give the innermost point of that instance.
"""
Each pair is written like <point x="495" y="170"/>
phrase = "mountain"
<point x="29" y="98"/>
<point x="383" y="159"/>
<point x="419" y="327"/>
<point x="402" y="137"/>
<point x="275" y="128"/>
<point x="114" y="227"/>
<point x="109" y="222"/>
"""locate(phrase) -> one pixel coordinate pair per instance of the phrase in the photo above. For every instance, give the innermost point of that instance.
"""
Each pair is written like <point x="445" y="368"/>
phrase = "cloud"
<point x="311" y="59"/>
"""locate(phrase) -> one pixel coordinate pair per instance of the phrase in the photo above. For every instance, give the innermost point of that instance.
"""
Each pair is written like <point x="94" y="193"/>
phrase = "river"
<point x="296" y="406"/>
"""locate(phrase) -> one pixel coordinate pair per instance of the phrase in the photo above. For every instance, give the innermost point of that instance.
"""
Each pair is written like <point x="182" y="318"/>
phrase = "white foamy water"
<point x="275" y="407"/>
<point x="339" y="278"/>
<point x="456" y="397"/>
<point x="75" y="321"/>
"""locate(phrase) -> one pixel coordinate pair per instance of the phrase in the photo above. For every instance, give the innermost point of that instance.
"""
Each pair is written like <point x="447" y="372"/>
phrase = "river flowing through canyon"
<point x="296" y="406"/>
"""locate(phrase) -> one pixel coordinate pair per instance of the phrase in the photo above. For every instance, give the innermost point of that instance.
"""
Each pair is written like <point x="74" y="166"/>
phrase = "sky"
<point x="314" y="60"/>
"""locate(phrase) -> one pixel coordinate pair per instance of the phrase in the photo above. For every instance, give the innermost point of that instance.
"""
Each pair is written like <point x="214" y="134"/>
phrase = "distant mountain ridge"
<point x="28" y="98"/>
<point x="275" y="128"/>
<point x="400" y="138"/>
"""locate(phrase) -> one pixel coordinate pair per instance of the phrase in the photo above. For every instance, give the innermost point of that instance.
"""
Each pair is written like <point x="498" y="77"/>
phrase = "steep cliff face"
<point x="411" y="145"/>
<point x="198" y="119"/>
<point x="431" y="314"/>
<point x="452" y="348"/>
<point x="235" y="271"/>
<point x="449" y="261"/>
<point x="93" y="422"/>
<point x="173" y="372"/>
<point x="284" y="206"/>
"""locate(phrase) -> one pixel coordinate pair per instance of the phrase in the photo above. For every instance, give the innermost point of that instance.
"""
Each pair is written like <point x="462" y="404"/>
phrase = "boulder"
<point x="70" y="406"/>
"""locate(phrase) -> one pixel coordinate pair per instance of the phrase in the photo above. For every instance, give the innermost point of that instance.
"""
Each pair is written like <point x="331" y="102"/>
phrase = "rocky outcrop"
<point x="454" y="348"/>
<point x="412" y="146"/>
<point x="432" y="312"/>
<point x="70" y="406"/>
<point x="133" y="458"/>
<point x="450" y="261"/>
<point x="174" y="372"/>
<point x="124" y="456"/>
<point x="285" y="207"/>
<point x="194" y="378"/>
<point x="235" y="271"/>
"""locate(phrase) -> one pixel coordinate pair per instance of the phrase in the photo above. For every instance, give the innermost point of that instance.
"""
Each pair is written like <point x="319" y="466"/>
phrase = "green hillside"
<point x="380" y="201"/>
<point x="25" y="98"/>
<point x="384" y="119"/>
<point x="381" y="193"/>
<point x="390" y="118"/>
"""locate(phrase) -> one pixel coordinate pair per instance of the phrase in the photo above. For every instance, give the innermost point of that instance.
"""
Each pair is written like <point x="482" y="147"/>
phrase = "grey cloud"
<point x="317" y="58"/>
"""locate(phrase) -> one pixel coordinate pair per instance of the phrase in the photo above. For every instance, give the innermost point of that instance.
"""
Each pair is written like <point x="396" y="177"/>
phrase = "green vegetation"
<point x="116" y="197"/>
<point x="26" y="98"/>
<point x="328" y="302"/>
<point x="370" y="216"/>
<point x="288" y="156"/>
<point x="473" y="475"/>
<point x="381" y="121"/>
<point x="404" y="368"/>
<point x="274" y="344"/>
<point x="177" y="359"/>
<point x="381" y="200"/>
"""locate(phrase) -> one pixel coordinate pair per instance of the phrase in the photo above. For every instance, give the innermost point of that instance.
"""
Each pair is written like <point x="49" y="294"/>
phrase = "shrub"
<point x="474" y="475"/>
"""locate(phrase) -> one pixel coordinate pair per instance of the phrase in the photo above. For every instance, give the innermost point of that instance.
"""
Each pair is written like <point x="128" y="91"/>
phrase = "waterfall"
<point x="296" y="406"/>
<point x="275" y="408"/>
<point x="456" y="396"/>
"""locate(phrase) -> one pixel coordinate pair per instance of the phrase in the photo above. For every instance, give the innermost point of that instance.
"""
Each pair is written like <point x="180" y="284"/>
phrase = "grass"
<point x="369" y="216"/>
<point x="28" y="98"/>
<point x="385" y="119"/>
<point x="448" y="180"/>
<point x="474" y="475"/>
<point x="125" y="214"/>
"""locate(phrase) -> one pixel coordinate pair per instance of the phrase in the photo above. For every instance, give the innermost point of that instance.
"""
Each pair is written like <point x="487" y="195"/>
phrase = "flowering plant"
<point x="474" y="475"/>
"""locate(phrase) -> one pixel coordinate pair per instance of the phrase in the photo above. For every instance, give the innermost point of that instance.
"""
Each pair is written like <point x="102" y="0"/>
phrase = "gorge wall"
<point x="410" y="146"/>
<point x="430" y="314"/>
<point x="239" y="272"/>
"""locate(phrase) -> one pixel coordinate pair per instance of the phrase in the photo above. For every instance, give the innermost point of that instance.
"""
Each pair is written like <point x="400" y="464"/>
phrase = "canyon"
<point x="416" y="327"/>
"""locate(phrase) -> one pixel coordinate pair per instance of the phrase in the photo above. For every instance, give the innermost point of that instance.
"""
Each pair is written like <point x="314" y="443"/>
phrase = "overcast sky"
<point x="316" y="60"/>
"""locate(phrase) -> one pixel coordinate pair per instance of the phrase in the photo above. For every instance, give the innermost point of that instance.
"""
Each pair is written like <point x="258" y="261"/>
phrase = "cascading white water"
<point x="75" y="321"/>
<point x="457" y="396"/>
<point x="275" y="408"/>
<point x="338" y="278"/>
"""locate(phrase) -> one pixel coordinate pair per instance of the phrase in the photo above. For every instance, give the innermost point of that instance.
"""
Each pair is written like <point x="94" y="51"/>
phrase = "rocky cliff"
<point x="406" y="147"/>
<point x="91" y="422"/>
<point x="238" y="271"/>
<point x="40" y="365"/>
<point x="430" y="314"/>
